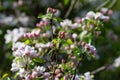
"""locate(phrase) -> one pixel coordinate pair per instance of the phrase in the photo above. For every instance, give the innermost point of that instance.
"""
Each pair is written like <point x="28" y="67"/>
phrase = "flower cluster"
<point x="34" y="33"/>
<point x="12" y="20"/>
<point x="57" y="46"/>
<point x="14" y="35"/>
<point x="23" y="57"/>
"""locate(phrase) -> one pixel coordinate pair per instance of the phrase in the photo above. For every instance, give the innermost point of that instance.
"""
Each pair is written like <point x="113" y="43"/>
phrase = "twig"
<point x="103" y="4"/>
<point x="112" y="4"/>
<point x="51" y="24"/>
<point x="0" y="3"/>
<point x="77" y="67"/>
<point x="70" y="8"/>
<point x="100" y="69"/>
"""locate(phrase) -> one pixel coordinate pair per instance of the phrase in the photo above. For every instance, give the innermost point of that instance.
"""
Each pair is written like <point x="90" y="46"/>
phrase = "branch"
<point x="0" y="3"/>
<point x="112" y="4"/>
<point x="51" y="24"/>
<point x="70" y="8"/>
<point x="78" y="66"/>
<point x="100" y="69"/>
<point x="103" y="4"/>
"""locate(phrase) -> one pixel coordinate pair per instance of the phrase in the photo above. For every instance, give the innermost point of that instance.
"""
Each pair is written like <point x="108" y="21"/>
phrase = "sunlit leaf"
<point x="69" y="41"/>
<point x="66" y="2"/>
<point x="5" y="75"/>
<point x="27" y="41"/>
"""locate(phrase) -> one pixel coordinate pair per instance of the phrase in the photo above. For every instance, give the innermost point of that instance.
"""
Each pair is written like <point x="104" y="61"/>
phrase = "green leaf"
<point x="69" y="41"/>
<point x="47" y="16"/>
<point x="16" y="75"/>
<point x="82" y="35"/>
<point x="27" y="41"/>
<point x="55" y="41"/>
<point x="32" y="64"/>
<point x="5" y="75"/>
<point x="66" y="2"/>
<point x="41" y="16"/>
<point x="39" y="60"/>
<point x="7" y="78"/>
<point x="1" y="32"/>
<point x="57" y="19"/>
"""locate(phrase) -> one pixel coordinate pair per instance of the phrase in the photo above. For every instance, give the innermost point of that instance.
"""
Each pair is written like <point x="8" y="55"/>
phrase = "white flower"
<point x="23" y="19"/>
<point x="46" y="74"/>
<point x="35" y="32"/>
<point x="39" y="69"/>
<point x="104" y="10"/>
<point x="18" y="45"/>
<point x="91" y="48"/>
<point x="87" y="76"/>
<point x="30" y="51"/>
<point x="90" y="15"/>
<point x="74" y="35"/>
<point x="116" y="62"/>
<point x="75" y="25"/>
<point x="41" y="45"/>
<point x="34" y="74"/>
<point x="48" y="33"/>
<point x="14" y="67"/>
<point x="101" y="16"/>
<point x="20" y="50"/>
<point x="77" y="77"/>
<point x="72" y="46"/>
<point x="65" y="23"/>
<point x="18" y="63"/>
<point x="14" y="35"/>
<point x="8" y="20"/>
<point x="57" y="14"/>
<point x="22" y="72"/>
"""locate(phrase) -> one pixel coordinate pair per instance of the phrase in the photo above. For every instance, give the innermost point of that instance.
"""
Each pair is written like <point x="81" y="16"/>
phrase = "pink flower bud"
<point x="57" y="71"/>
<point x="38" y="25"/>
<point x="106" y="19"/>
<point x="20" y="2"/>
<point x="36" y="35"/>
<point x="67" y="48"/>
<point x="110" y="12"/>
<point x="61" y="34"/>
<point x="34" y="74"/>
<point x="46" y="74"/>
<point x="82" y="43"/>
<point x="29" y="77"/>
<point x="27" y="35"/>
<point x="54" y="10"/>
<point x="28" y="53"/>
<point x="44" y="34"/>
<point x="63" y="61"/>
<point x="49" y="10"/>
<point x="78" y="20"/>
<point x="66" y="77"/>
<point x="58" y="75"/>
<point x="45" y="23"/>
<point x="51" y="45"/>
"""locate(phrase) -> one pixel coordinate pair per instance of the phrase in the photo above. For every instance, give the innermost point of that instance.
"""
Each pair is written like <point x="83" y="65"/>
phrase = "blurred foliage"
<point x="108" y="48"/>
